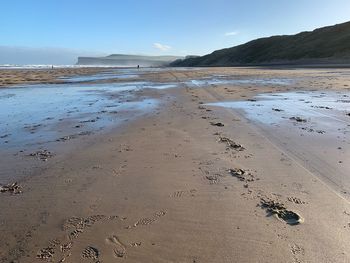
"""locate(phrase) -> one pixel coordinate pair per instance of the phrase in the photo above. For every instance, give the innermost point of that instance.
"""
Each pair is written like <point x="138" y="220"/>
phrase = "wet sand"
<point x="31" y="76"/>
<point x="191" y="182"/>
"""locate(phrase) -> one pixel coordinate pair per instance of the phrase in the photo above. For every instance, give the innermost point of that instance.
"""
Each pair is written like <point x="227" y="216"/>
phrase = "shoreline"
<point x="12" y="77"/>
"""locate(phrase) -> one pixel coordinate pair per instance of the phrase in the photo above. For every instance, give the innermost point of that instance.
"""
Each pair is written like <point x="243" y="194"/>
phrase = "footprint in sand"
<point x="213" y="179"/>
<point x="90" y="253"/>
<point x="119" y="249"/>
<point x="183" y="193"/>
<point x="296" y="200"/>
<point x="298" y="252"/>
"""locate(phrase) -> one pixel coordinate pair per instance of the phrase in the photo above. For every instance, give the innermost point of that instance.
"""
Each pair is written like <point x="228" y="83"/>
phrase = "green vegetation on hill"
<point x="324" y="45"/>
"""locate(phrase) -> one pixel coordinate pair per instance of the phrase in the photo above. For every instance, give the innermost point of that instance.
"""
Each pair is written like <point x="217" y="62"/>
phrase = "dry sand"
<point x="160" y="189"/>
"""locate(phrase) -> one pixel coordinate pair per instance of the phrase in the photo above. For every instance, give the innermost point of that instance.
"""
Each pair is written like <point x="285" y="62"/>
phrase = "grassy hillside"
<point x="327" y="44"/>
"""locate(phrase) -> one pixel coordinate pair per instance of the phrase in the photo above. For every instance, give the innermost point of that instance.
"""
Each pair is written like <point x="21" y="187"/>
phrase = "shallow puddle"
<point x="43" y="113"/>
<point x="320" y="107"/>
<point x="220" y="80"/>
<point x="101" y="76"/>
<point x="311" y="128"/>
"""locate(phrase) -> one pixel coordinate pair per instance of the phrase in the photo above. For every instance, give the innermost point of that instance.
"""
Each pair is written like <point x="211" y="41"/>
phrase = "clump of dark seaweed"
<point x="231" y="144"/>
<point x="13" y="188"/>
<point x="280" y="210"/>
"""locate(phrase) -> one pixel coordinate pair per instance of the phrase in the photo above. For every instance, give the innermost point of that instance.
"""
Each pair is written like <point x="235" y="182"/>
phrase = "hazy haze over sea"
<point x="17" y="56"/>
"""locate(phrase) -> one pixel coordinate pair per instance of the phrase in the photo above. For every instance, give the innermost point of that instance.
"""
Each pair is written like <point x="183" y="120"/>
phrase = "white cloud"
<point x="233" y="33"/>
<point x="161" y="47"/>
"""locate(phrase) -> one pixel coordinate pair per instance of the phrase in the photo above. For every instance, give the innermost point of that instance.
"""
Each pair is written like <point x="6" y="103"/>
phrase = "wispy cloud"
<point x="161" y="47"/>
<point x="233" y="33"/>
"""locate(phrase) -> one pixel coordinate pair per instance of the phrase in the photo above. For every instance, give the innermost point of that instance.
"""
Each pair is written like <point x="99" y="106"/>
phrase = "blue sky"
<point x="158" y="27"/>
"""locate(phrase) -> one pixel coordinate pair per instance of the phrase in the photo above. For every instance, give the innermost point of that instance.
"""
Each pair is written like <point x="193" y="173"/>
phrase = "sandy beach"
<point x="173" y="174"/>
<point x="33" y="76"/>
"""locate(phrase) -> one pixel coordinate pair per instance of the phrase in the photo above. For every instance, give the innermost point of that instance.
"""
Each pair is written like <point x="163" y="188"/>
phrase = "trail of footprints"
<point x="245" y="176"/>
<point x="271" y="206"/>
<point x="75" y="226"/>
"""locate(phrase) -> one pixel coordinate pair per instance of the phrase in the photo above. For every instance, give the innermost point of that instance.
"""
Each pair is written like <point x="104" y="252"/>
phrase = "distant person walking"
<point x="138" y="66"/>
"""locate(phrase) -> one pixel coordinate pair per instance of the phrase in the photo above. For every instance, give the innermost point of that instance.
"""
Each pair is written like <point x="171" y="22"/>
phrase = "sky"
<point x="154" y="27"/>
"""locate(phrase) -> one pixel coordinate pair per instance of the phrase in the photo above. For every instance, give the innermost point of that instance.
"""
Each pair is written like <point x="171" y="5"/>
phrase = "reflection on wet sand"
<point x="312" y="126"/>
<point x="42" y="113"/>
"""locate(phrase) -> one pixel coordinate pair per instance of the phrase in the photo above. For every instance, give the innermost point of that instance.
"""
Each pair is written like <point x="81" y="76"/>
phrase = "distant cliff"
<point x="128" y="60"/>
<point x="322" y="46"/>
